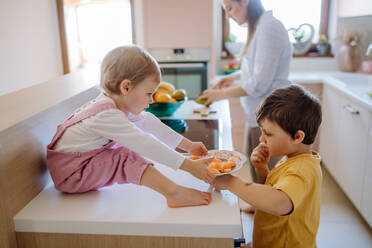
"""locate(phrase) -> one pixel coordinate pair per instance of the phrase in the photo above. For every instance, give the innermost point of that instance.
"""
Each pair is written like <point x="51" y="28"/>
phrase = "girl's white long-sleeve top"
<point x="144" y="134"/>
<point x="265" y="66"/>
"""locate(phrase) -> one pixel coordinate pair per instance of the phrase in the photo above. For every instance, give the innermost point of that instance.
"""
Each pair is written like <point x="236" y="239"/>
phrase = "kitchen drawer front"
<point x="352" y="148"/>
<point x="367" y="187"/>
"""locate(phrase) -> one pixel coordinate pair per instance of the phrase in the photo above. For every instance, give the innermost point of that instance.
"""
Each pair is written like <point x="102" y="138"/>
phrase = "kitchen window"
<point x="290" y="13"/>
<point x="90" y="28"/>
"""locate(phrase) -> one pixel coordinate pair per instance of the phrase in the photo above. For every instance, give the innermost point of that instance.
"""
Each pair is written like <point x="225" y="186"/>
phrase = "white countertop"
<point x="222" y="115"/>
<point x="129" y="209"/>
<point x="353" y="85"/>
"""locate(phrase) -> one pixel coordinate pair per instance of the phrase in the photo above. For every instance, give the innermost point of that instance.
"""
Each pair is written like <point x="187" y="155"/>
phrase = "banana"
<point x="166" y="87"/>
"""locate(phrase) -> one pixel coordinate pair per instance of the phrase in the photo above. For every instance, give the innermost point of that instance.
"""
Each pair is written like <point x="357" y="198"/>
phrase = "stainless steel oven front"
<point x="191" y="76"/>
<point x="186" y="68"/>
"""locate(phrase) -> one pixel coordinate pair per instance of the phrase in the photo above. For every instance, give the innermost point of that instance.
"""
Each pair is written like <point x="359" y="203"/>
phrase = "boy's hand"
<point x="260" y="156"/>
<point x="199" y="169"/>
<point x="223" y="182"/>
<point x="197" y="149"/>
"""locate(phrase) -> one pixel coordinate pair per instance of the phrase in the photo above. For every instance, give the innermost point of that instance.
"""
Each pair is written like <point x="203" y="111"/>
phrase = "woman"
<point x="265" y="61"/>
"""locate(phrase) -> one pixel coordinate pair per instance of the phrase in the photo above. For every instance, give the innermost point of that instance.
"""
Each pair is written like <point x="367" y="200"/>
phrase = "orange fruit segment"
<point x="195" y="158"/>
<point x="215" y="171"/>
<point x="217" y="165"/>
<point x="236" y="156"/>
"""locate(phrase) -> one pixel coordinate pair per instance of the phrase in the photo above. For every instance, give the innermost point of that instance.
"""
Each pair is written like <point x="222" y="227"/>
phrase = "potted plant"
<point x="232" y="46"/>
<point x="323" y="46"/>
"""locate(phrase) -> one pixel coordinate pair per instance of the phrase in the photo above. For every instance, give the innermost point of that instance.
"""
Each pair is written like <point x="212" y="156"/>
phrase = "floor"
<point x="340" y="223"/>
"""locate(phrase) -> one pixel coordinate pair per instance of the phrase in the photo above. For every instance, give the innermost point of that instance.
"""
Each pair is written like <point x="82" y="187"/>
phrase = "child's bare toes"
<point x="184" y="197"/>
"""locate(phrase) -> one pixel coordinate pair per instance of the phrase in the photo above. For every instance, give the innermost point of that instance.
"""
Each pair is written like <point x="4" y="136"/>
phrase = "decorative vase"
<point x="349" y="58"/>
<point x="302" y="38"/>
<point x="323" y="48"/>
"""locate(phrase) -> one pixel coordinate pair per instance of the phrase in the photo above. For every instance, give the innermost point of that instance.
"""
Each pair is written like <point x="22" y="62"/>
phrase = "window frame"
<point x="323" y="29"/>
<point x="62" y="29"/>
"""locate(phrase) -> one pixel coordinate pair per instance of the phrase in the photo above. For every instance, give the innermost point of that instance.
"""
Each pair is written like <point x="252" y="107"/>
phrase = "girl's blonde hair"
<point x="127" y="62"/>
<point x="254" y="12"/>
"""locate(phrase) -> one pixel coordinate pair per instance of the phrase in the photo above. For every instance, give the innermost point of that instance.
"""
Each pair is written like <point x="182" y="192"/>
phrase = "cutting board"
<point x="205" y="111"/>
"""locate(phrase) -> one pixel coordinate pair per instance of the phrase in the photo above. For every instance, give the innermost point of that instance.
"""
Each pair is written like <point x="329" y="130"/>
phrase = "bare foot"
<point x="248" y="210"/>
<point x="183" y="197"/>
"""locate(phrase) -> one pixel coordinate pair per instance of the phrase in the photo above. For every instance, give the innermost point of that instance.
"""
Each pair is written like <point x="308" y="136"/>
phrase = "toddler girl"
<point x="105" y="141"/>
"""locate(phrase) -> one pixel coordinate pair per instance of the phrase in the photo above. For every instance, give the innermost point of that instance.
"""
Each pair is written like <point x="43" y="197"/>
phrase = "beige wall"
<point x="349" y="8"/>
<point x="184" y="24"/>
<point x="29" y="43"/>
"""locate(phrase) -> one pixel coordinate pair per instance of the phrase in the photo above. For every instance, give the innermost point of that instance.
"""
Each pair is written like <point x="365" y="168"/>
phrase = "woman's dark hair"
<point x="293" y="108"/>
<point x="254" y="12"/>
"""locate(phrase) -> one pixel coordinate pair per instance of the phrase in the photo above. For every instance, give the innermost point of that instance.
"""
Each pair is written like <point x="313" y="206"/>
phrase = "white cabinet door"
<point x="331" y="105"/>
<point x="367" y="188"/>
<point x="354" y="121"/>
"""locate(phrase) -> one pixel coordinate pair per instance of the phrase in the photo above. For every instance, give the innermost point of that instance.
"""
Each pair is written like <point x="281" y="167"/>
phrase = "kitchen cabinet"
<point x="367" y="183"/>
<point x="344" y="140"/>
<point x="352" y="143"/>
<point x="328" y="129"/>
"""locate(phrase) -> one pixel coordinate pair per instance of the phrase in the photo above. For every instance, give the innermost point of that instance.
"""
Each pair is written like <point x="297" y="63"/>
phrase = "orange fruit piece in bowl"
<point x="195" y="158"/>
<point x="232" y="161"/>
<point x="214" y="165"/>
<point x="227" y="165"/>
<point x="216" y="160"/>
<point x="236" y="156"/>
<point x="162" y="97"/>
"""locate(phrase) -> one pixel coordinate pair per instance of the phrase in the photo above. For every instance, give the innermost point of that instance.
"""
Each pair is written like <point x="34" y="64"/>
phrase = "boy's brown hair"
<point x="127" y="62"/>
<point x="293" y="108"/>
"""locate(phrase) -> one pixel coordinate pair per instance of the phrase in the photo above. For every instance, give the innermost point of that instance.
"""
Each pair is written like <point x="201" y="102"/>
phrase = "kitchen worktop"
<point x="135" y="210"/>
<point x="354" y="85"/>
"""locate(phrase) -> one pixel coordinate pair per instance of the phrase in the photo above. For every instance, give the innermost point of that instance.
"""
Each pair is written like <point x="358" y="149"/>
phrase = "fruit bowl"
<point x="161" y="109"/>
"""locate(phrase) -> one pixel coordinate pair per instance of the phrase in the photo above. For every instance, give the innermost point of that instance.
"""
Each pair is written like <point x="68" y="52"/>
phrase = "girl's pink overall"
<point x="81" y="172"/>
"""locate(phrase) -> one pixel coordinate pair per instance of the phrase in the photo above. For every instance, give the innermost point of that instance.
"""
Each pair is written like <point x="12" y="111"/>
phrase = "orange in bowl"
<point x="162" y="97"/>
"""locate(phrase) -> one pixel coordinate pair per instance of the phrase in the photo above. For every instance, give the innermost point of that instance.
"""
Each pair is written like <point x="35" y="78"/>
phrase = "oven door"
<point x="189" y="76"/>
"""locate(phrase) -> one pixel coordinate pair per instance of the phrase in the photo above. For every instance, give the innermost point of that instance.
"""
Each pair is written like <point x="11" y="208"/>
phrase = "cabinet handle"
<point x="352" y="110"/>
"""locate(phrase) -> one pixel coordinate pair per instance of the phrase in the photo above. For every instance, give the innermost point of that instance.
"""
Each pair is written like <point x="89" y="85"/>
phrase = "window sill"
<point x="228" y="57"/>
<point x="313" y="55"/>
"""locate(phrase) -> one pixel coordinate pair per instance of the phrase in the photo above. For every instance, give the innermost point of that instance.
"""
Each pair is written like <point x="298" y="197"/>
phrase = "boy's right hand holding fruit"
<point x="199" y="169"/>
<point x="260" y="157"/>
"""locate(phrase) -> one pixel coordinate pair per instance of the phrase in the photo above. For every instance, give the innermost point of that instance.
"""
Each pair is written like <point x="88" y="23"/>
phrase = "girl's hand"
<point x="199" y="169"/>
<point x="197" y="149"/>
<point x="211" y="96"/>
<point x="260" y="156"/>
<point x="223" y="83"/>
<point x="223" y="182"/>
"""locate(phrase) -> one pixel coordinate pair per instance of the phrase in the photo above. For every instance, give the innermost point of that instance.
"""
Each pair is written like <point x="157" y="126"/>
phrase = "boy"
<point x="287" y="199"/>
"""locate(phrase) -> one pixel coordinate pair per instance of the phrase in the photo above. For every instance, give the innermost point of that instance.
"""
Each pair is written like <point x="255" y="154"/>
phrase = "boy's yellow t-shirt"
<point x="300" y="178"/>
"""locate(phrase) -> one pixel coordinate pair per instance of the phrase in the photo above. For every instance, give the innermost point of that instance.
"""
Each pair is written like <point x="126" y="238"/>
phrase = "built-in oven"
<point x="186" y="75"/>
<point x="185" y="68"/>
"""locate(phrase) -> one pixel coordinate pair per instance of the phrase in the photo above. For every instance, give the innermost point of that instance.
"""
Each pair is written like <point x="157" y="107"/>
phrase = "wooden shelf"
<point x="313" y="55"/>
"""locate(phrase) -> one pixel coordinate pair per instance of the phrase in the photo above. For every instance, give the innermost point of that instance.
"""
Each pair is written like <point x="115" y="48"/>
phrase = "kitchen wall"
<point x="363" y="24"/>
<point x="29" y="44"/>
<point x="178" y="24"/>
